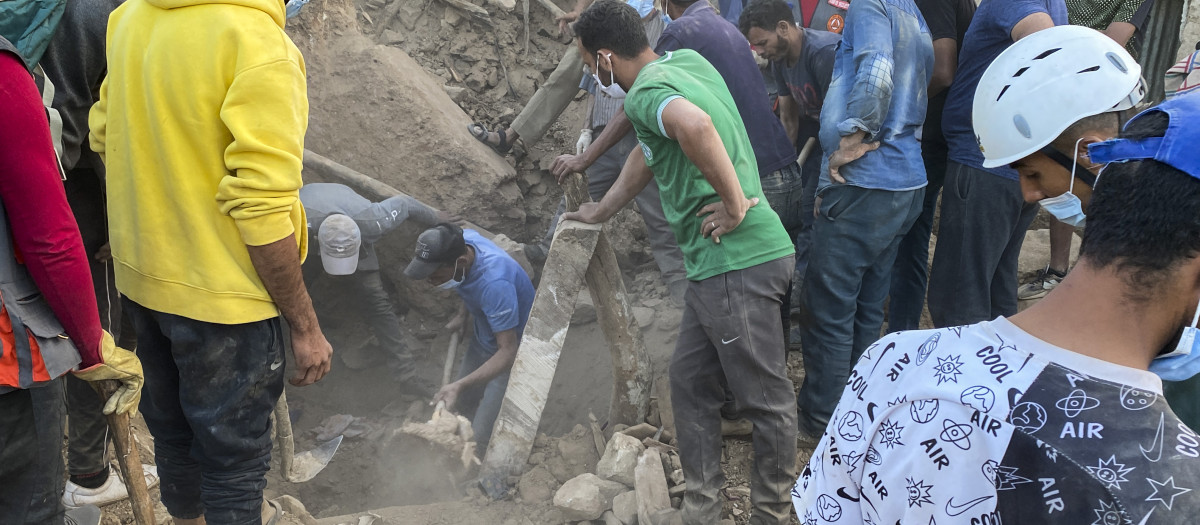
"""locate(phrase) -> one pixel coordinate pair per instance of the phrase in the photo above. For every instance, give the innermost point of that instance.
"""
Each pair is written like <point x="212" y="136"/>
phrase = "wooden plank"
<point x="537" y="357"/>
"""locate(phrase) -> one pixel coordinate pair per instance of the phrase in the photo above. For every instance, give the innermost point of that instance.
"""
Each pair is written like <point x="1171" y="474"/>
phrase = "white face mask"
<point x="453" y="282"/>
<point x="1067" y="207"/>
<point x="613" y="90"/>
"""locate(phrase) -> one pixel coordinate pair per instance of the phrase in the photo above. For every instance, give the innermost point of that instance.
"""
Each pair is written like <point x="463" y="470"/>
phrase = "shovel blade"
<point x="308" y="464"/>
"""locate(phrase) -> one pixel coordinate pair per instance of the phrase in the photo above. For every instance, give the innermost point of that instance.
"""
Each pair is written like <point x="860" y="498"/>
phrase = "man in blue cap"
<point x="1034" y="418"/>
<point x="498" y="295"/>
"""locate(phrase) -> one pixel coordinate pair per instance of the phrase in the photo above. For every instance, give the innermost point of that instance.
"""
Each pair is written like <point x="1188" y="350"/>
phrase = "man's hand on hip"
<point x="850" y="149"/>
<point x="314" y="357"/>
<point x="720" y="220"/>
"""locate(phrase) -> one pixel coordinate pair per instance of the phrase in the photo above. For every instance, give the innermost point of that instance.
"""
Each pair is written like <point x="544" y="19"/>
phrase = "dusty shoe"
<point x="85" y="515"/>
<point x="1041" y="285"/>
<point x="112" y="491"/>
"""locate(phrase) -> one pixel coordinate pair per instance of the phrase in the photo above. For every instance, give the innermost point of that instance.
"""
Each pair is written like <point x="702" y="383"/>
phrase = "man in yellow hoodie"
<point x="201" y="124"/>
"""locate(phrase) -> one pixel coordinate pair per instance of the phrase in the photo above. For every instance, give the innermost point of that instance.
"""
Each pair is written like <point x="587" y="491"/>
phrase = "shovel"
<point x="306" y="465"/>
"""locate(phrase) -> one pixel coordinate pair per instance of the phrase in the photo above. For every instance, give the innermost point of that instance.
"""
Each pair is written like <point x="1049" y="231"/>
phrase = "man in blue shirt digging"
<point x="498" y="295"/>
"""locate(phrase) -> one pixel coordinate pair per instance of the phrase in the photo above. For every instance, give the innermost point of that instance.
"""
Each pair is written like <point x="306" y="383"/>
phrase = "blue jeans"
<point x="784" y="190"/>
<point x="482" y="402"/>
<point x="210" y="390"/>
<point x="854" y="247"/>
<point x="910" y="275"/>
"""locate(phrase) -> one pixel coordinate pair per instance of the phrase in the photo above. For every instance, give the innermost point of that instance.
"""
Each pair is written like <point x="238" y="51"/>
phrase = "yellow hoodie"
<point x="201" y="124"/>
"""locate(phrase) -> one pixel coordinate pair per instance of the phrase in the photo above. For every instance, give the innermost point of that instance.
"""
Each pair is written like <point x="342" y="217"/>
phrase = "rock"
<point x="737" y="427"/>
<point x="585" y="310"/>
<point x="625" y="507"/>
<point x="668" y="516"/>
<point x="452" y="16"/>
<point x="640" y="431"/>
<point x="537" y="458"/>
<point x="507" y="5"/>
<point x="293" y="508"/>
<point x="652" y="302"/>
<point x="678" y="490"/>
<point x="677" y="503"/>
<point x="611" y="519"/>
<point x="457" y="93"/>
<point x="676" y="477"/>
<point x="576" y="450"/>
<point x="561" y="470"/>
<point x="391" y="37"/>
<point x="739" y="492"/>
<point x="643" y="315"/>
<point x="537" y="485"/>
<point x="586" y="497"/>
<point x="650" y="486"/>
<point x="620" y="459"/>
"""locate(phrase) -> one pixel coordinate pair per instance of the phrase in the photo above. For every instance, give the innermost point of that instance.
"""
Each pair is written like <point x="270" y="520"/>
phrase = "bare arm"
<point x="1030" y="25"/>
<point x="693" y="129"/>
<point x="1120" y="32"/>
<point x="945" y="65"/>
<point x="499" y="363"/>
<point x="634" y="177"/>
<point x="789" y="116"/>
<point x="618" y="126"/>
<point x="278" y="266"/>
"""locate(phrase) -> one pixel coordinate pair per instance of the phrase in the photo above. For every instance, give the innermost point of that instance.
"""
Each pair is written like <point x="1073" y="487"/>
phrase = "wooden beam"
<point x="555" y="11"/>
<point x="364" y="185"/>
<point x="537" y="357"/>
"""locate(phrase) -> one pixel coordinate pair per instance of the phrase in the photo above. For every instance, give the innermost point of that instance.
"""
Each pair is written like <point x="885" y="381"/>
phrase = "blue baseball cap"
<point x="1176" y="148"/>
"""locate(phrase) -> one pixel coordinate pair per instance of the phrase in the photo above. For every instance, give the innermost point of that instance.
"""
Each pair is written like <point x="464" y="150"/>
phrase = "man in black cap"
<point x="498" y="294"/>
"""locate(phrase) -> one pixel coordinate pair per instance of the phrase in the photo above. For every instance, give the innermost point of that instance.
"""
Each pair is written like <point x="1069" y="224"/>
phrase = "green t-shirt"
<point x="760" y="237"/>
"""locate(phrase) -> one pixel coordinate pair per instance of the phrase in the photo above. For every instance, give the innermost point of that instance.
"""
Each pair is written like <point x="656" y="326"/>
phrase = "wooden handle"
<point x="806" y="150"/>
<point x="128" y="457"/>
<point x="283" y="436"/>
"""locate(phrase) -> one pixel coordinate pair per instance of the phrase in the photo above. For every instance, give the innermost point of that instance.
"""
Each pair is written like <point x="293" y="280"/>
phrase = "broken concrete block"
<point x="620" y="459"/>
<point x="678" y="490"/>
<point x="586" y="497"/>
<point x="611" y="519"/>
<point x="625" y="507"/>
<point x="650" y="486"/>
<point x="457" y="93"/>
<point x="506" y="5"/>
<point x="537" y="485"/>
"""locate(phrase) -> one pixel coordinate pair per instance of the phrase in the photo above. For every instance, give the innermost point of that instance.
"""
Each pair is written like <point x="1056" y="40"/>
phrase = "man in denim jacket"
<point x="870" y="192"/>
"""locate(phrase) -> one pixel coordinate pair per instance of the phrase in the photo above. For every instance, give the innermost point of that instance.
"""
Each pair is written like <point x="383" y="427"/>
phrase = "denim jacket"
<point x="880" y="75"/>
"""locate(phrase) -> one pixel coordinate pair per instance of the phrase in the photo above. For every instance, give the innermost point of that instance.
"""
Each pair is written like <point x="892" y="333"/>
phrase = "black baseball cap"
<point x="439" y="245"/>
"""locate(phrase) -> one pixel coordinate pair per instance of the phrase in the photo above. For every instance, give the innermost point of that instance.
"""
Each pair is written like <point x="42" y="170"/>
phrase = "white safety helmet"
<point x="1044" y="83"/>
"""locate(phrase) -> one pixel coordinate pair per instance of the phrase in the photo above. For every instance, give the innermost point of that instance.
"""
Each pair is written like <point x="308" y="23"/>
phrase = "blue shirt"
<point x="879" y="78"/>
<point x="990" y="33"/>
<point x="702" y="30"/>
<point x="497" y="292"/>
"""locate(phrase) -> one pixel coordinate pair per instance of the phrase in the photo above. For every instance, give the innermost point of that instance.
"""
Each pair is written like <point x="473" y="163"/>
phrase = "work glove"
<point x="585" y="140"/>
<point x="121" y="365"/>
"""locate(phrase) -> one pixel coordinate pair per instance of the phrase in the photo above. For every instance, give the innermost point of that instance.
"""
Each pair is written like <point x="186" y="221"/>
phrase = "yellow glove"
<point x="119" y="365"/>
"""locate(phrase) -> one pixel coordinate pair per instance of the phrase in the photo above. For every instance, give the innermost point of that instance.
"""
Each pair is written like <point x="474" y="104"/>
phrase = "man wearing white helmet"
<point x="1056" y="414"/>
<point x="983" y="219"/>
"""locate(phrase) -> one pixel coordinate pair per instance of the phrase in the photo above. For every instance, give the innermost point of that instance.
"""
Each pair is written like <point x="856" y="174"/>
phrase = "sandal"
<point x="278" y="508"/>
<point x="481" y="134"/>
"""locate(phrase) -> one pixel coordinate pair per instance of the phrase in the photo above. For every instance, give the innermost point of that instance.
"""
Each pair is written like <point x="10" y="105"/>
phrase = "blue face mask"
<point x="452" y="282"/>
<point x="1183" y="362"/>
<point x="1067" y="208"/>
<point x="294" y="6"/>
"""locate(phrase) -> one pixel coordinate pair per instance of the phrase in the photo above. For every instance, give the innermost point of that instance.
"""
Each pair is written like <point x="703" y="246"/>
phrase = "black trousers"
<point x="31" y="465"/>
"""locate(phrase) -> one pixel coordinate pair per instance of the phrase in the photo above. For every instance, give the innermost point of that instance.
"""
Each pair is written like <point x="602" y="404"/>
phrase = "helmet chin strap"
<point x="1069" y="164"/>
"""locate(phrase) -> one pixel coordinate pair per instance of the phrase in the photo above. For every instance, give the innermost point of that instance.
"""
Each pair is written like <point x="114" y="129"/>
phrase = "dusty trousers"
<point x="731" y="330"/>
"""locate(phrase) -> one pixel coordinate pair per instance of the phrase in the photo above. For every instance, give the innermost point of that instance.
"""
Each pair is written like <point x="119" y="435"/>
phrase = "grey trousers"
<point x="376" y="307"/>
<point x="731" y="330"/>
<point x="551" y="98"/>
<point x="980" y="233"/>
<point x="601" y="176"/>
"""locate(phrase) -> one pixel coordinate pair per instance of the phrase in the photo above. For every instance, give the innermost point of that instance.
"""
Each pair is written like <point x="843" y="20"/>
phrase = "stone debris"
<point x="620" y="459"/>
<point x="651" y="486"/>
<point x="586" y="496"/>
<point x="625" y="507"/>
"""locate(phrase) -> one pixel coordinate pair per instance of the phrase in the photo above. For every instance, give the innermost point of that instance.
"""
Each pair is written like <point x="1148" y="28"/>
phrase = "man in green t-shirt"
<point x="738" y="256"/>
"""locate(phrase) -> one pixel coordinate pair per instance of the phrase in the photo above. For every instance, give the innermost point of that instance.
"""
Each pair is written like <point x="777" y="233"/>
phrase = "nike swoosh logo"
<point x="276" y="365"/>
<point x="955" y="510"/>
<point x="724" y="342"/>
<point x="1156" y="443"/>
<point x="871" y="411"/>
<point x="842" y="493"/>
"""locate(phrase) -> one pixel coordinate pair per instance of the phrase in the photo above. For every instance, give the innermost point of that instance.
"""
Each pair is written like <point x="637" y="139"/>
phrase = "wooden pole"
<point x="128" y="457"/>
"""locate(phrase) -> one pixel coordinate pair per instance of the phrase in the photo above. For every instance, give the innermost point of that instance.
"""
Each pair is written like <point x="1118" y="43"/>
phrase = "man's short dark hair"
<point x="765" y="15"/>
<point x="613" y="25"/>
<point x="684" y="3"/>
<point x="1144" y="217"/>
